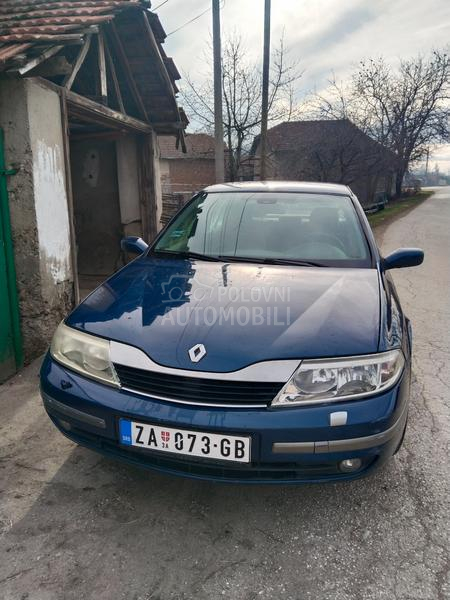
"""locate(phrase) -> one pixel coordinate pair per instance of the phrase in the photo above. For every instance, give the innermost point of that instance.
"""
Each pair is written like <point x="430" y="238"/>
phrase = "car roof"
<point x="281" y="186"/>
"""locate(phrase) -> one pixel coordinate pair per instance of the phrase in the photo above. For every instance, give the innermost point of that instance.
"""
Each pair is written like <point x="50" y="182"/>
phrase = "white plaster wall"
<point x="158" y="186"/>
<point x="128" y="179"/>
<point x="164" y="170"/>
<point x="52" y="217"/>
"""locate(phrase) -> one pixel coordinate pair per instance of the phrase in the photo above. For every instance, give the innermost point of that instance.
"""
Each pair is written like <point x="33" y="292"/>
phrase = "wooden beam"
<point x="69" y="79"/>
<point x="103" y="115"/>
<point x="102" y="68"/>
<point x="41" y="38"/>
<point x="147" y="192"/>
<point x="53" y="67"/>
<point x="46" y="83"/>
<point x="9" y="52"/>
<point x="164" y="76"/>
<point x="181" y="140"/>
<point x="99" y="135"/>
<point x="17" y="61"/>
<point x="38" y="60"/>
<point x="114" y="78"/>
<point x="127" y="71"/>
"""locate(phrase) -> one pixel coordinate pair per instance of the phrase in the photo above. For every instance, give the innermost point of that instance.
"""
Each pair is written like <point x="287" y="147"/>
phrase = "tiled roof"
<point x="294" y="135"/>
<point x="31" y="28"/>
<point x="198" y="145"/>
<point x="24" y="23"/>
<point x="286" y="136"/>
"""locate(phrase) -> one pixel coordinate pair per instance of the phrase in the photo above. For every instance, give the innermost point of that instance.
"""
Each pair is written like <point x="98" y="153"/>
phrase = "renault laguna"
<point x="258" y="339"/>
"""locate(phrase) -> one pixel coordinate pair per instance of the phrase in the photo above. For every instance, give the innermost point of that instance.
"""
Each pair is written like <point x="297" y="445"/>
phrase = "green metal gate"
<point x="11" y="357"/>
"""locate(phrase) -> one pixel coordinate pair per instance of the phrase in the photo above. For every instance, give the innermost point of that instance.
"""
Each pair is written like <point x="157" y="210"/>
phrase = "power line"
<point x="194" y="19"/>
<point x="159" y="5"/>
<point x="190" y="21"/>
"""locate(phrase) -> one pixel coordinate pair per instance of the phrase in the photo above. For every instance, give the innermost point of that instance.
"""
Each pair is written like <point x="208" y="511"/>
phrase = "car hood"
<point x="241" y="312"/>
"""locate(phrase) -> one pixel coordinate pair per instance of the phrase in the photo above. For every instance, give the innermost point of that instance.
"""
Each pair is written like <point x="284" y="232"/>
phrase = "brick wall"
<point x="180" y="179"/>
<point x="188" y="174"/>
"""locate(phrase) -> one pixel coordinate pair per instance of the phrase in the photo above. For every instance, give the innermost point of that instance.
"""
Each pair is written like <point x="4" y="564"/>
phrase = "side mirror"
<point x="133" y="245"/>
<point x="403" y="257"/>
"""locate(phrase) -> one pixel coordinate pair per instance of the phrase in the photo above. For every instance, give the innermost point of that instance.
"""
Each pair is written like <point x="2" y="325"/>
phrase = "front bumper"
<point x="289" y="445"/>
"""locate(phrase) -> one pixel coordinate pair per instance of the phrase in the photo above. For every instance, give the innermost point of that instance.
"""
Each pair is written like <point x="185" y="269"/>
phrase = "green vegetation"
<point x="396" y="208"/>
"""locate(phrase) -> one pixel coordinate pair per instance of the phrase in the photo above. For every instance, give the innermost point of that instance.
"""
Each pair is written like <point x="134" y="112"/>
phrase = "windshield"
<point x="269" y="226"/>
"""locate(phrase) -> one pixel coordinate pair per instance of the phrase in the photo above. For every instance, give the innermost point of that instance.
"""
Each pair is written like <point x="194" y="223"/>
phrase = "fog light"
<point x="350" y="464"/>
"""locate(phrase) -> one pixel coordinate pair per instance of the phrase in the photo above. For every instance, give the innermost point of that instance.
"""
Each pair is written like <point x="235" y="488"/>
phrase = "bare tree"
<point x="405" y="110"/>
<point x="410" y="107"/>
<point x="337" y="102"/>
<point x="242" y="98"/>
<point x="350" y="149"/>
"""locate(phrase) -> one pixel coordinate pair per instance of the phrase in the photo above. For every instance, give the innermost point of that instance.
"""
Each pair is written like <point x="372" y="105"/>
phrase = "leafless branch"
<point x="241" y="81"/>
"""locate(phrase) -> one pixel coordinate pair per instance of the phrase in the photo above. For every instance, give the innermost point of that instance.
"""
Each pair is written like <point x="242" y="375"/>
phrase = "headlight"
<point x="84" y="353"/>
<point x="332" y="380"/>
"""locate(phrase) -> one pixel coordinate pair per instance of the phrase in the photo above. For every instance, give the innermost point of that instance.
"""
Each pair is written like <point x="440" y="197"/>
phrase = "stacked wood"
<point x="172" y="204"/>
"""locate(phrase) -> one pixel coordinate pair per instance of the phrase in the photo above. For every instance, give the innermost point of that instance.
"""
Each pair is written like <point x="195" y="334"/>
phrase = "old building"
<point x="190" y="171"/>
<point x="330" y="150"/>
<point x="85" y="89"/>
<point x="183" y="173"/>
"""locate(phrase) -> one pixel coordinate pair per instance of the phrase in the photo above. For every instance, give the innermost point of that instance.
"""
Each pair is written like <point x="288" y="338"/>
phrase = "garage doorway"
<point x="113" y="187"/>
<point x="96" y="204"/>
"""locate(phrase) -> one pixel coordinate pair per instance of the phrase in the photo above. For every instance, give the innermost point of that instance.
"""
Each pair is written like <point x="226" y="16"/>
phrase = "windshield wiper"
<point x="177" y="254"/>
<point x="292" y="261"/>
<point x="241" y="259"/>
<point x="272" y="261"/>
<point x="247" y="259"/>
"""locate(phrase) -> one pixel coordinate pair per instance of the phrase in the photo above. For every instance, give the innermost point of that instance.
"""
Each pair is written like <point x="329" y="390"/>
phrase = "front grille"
<point x="195" y="390"/>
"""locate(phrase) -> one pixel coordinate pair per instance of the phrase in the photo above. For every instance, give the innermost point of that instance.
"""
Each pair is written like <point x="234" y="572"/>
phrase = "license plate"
<point x="183" y="441"/>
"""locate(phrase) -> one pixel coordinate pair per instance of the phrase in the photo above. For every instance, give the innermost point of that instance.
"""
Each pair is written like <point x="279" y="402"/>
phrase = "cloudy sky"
<point x="325" y="35"/>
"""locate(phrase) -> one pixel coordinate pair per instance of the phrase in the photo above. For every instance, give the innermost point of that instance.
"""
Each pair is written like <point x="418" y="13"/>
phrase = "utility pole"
<point x="265" y="92"/>
<point x="218" y="123"/>
<point x="426" y="165"/>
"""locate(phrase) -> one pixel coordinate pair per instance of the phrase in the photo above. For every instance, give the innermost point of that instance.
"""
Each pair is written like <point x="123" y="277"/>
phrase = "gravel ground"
<point x="74" y="525"/>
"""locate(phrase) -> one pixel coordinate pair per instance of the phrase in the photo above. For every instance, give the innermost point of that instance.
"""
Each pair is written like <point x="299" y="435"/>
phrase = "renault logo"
<point x="197" y="352"/>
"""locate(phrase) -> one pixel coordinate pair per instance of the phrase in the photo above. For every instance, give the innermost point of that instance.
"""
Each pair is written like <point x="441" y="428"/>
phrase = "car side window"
<point x="185" y="227"/>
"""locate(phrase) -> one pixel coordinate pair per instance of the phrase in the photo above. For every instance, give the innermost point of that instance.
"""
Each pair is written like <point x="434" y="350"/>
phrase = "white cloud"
<point x="325" y="35"/>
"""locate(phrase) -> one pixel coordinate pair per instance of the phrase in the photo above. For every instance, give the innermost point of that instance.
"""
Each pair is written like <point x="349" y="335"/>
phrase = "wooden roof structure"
<point x="103" y="52"/>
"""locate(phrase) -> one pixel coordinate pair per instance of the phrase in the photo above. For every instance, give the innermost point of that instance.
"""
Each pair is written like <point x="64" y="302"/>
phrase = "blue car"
<point x="259" y="339"/>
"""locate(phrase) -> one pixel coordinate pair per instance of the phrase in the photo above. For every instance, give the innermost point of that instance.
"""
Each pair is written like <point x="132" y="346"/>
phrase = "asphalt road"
<point x="76" y="526"/>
